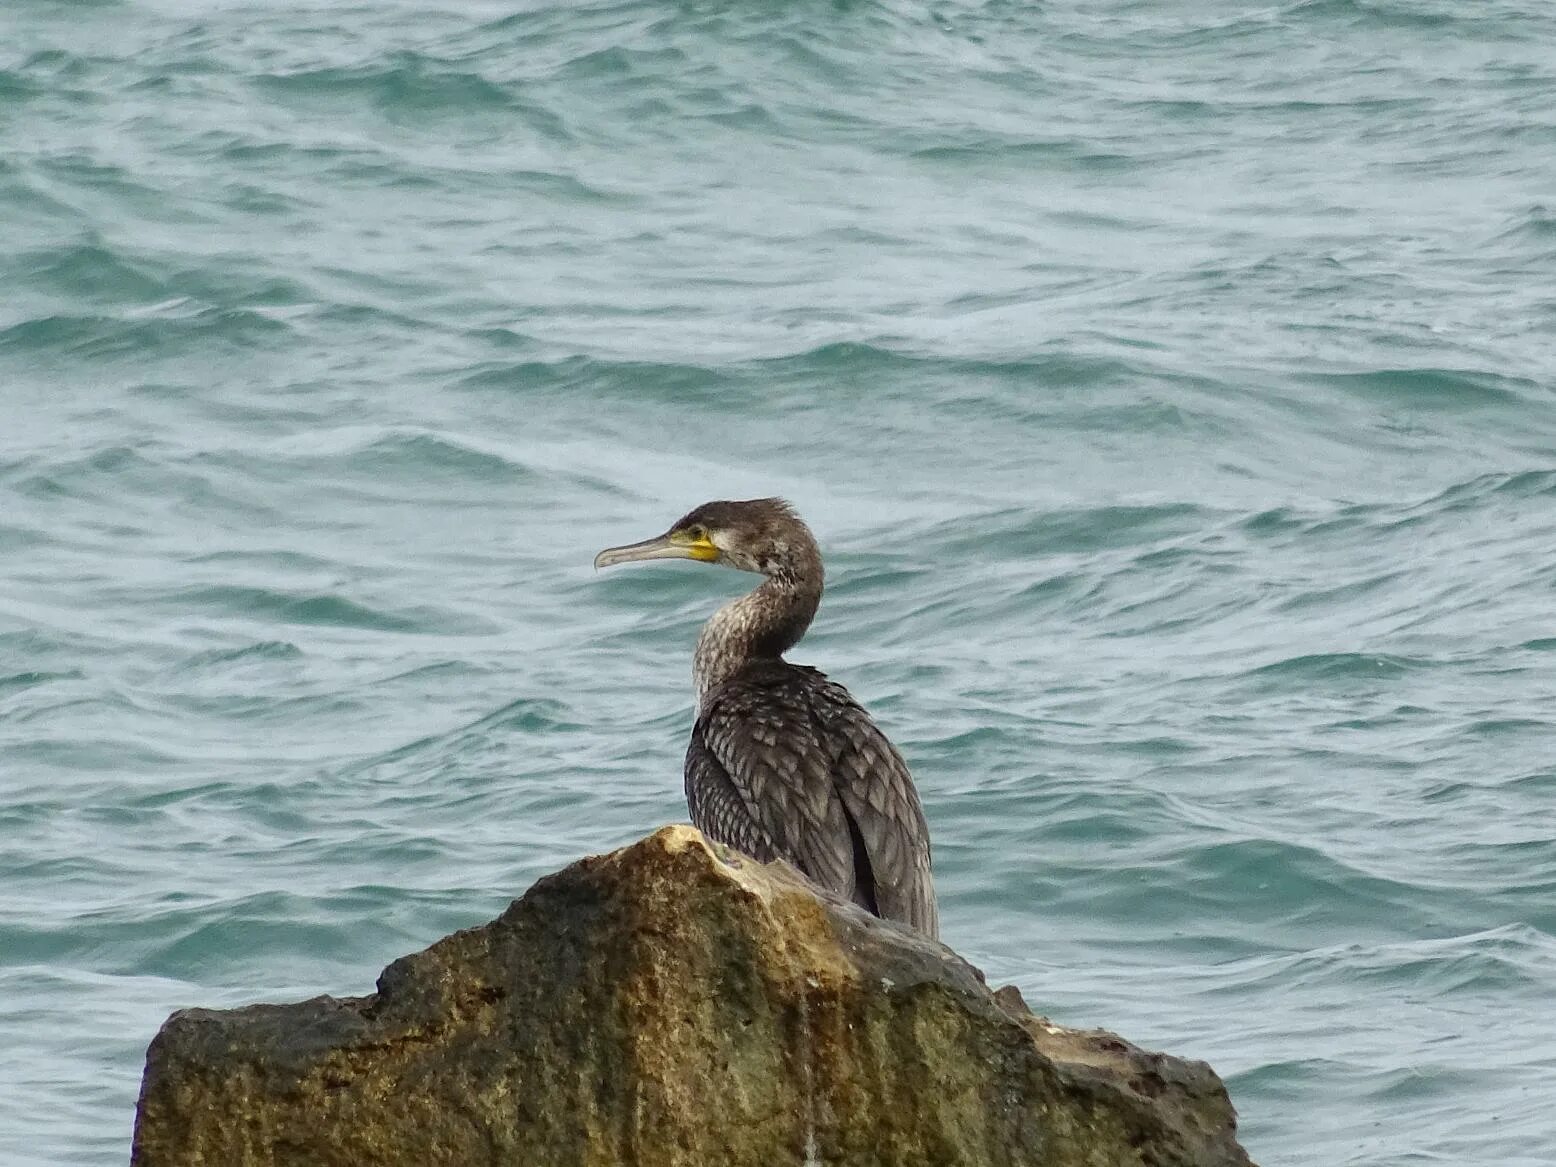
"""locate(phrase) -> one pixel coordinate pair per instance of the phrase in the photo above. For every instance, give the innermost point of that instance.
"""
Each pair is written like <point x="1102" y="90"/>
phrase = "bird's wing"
<point x="717" y="806"/>
<point x="759" y="778"/>
<point x="877" y="791"/>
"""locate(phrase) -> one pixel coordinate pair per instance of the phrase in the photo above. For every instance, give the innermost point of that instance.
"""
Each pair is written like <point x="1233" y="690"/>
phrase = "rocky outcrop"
<point x="671" y="1003"/>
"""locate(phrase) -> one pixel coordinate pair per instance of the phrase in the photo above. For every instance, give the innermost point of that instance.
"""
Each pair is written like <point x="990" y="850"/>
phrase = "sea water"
<point x="1170" y="386"/>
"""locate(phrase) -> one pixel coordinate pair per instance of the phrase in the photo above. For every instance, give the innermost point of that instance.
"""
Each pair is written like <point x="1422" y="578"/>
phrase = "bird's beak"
<point x="671" y="546"/>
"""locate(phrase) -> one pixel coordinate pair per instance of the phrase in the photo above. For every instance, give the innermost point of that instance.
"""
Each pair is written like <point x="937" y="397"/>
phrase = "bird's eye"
<point x="697" y="533"/>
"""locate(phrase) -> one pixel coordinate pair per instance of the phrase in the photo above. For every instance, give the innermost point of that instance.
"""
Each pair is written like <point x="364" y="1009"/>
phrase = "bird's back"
<point x="784" y="763"/>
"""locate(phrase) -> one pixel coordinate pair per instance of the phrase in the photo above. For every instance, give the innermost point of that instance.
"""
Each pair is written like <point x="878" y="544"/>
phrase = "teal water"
<point x="1173" y="388"/>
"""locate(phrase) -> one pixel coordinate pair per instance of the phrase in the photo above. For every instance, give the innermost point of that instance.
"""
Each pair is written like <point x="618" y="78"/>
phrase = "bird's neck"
<point x="762" y="625"/>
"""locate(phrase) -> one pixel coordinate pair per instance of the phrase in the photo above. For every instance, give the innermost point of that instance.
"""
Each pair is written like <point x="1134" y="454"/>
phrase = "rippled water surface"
<point x="1172" y="386"/>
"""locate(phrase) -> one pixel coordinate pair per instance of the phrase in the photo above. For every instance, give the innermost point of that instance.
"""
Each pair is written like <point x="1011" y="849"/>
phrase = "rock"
<point x="672" y="1003"/>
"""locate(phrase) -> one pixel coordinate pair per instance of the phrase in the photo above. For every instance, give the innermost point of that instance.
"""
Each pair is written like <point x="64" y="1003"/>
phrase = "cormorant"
<point x="783" y="763"/>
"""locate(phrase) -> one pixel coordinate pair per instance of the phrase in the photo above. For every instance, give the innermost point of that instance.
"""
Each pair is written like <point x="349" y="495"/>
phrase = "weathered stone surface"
<point x="671" y="1004"/>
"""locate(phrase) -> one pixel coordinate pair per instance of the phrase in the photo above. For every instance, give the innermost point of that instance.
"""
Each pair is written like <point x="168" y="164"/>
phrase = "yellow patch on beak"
<point x="701" y="549"/>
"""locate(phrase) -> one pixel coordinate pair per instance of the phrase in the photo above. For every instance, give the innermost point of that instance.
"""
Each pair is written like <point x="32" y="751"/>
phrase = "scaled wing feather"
<point x="781" y="760"/>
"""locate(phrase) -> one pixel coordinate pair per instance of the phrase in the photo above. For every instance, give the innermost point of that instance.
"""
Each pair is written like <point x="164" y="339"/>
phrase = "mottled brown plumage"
<point x="783" y="763"/>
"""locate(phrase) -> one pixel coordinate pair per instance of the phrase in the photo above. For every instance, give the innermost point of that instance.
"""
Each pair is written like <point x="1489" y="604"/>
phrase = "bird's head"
<point x="763" y="535"/>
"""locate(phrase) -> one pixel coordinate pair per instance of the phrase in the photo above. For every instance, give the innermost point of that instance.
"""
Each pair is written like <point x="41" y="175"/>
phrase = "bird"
<point x="783" y="763"/>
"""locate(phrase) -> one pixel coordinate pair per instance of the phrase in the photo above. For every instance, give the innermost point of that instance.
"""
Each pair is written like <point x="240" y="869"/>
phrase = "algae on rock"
<point x="672" y="1004"/>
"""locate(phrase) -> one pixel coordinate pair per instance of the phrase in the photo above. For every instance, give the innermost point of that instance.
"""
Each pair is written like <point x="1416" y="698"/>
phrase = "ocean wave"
<point x="92" y="271"/>
<point x="28" y="680"/>
<point x="1426" y="388"/>
<point x="407" y="81"/>
<point x="178" y="327"/>
<point x="326" y="609"/>
<point x="267" y="650"/>
<point x="413" y="456"/>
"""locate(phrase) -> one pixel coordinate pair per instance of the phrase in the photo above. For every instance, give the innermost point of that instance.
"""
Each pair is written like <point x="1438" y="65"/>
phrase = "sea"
<point x="1171" y="386"/>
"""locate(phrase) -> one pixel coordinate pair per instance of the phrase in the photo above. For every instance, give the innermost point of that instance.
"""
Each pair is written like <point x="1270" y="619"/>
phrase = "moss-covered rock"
<point x="671" y="1003"/>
